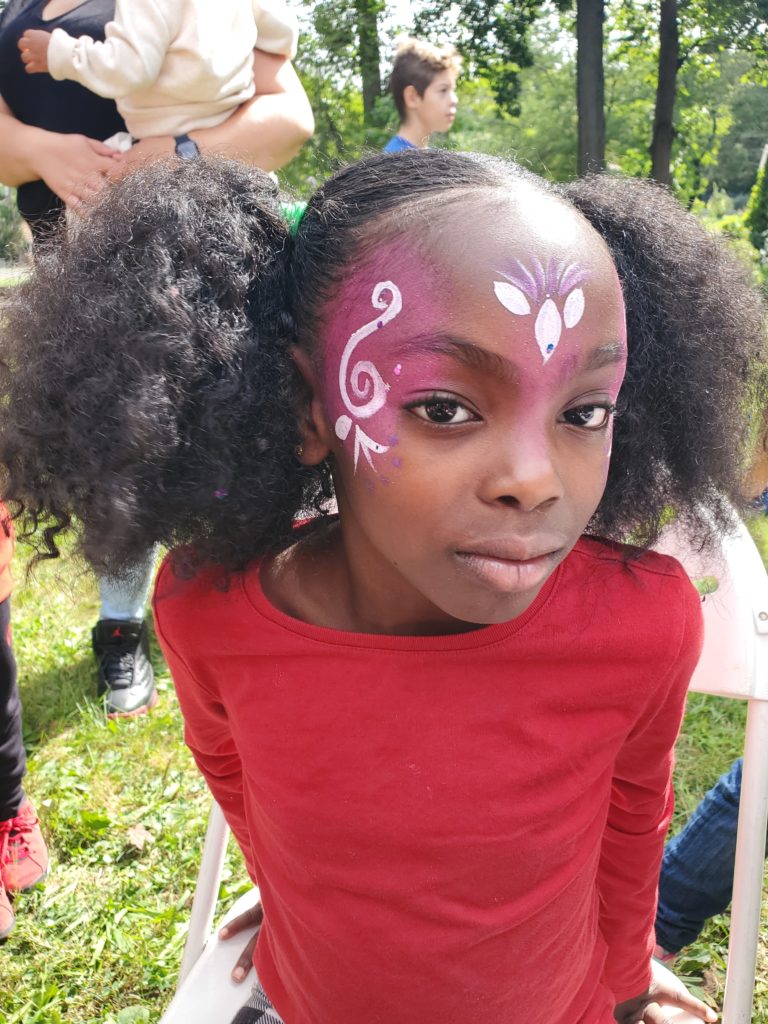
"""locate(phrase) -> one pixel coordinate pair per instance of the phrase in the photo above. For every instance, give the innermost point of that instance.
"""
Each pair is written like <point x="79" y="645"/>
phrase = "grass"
<point x="124" y="810"/>
<point x="11" y="275"/>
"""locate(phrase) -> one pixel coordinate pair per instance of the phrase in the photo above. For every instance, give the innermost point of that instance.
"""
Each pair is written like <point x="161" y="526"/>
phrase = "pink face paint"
<point x="365" y="329"/>
<point x="361" y="386"/>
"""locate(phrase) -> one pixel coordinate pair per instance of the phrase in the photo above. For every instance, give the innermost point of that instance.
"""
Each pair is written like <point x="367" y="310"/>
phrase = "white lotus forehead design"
<point x="552" y="292"/>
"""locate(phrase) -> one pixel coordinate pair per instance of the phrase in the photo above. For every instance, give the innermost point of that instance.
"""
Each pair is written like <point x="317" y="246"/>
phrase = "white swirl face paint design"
<point x="553" y="290"/>
<point x="367" y="387"/>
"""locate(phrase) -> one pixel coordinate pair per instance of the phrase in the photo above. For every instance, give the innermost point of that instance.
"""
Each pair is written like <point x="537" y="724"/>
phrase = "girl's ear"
<point x="316" y="436"/>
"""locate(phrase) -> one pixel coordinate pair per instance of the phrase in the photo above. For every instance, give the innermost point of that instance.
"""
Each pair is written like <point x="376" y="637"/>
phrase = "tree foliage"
<point x="492" y="35"/>
<point x="757" y="211"/>
<point x="13" y="243"/>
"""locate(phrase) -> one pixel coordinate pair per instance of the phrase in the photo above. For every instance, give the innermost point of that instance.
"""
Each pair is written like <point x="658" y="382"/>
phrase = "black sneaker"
<point x="126" y="679"/>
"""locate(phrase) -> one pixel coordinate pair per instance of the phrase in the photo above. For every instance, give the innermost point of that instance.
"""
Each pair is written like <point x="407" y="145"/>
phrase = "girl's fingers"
<point x="684" y="1000"/>
<point x="250" y="918"/>
<point x="654" y="1014"/>
<point x="245" y="960"/>
<point x="658" y="1014"/>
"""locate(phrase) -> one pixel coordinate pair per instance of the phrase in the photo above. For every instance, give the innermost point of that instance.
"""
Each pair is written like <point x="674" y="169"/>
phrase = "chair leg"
<point x="204" y="903"/>
<point x="749" y="869"/>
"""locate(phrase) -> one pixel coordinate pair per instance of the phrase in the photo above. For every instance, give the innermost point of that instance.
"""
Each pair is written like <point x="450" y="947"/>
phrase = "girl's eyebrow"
<point x="475" y="357"/>
<point x="463" y="351"/>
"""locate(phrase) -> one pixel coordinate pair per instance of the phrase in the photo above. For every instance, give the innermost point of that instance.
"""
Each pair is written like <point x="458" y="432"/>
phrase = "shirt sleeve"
<point x="130" y="57"/>
<point x="207" y="733"/>
<point x="639" y="815"/>
<point x="277" y="27"/>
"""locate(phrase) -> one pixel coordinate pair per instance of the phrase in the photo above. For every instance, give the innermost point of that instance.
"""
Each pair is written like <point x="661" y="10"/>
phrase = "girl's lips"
<point x="507" y="575"/>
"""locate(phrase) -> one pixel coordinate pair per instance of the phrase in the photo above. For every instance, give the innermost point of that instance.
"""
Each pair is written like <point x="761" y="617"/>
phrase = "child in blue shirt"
<point x="423" y="86"/>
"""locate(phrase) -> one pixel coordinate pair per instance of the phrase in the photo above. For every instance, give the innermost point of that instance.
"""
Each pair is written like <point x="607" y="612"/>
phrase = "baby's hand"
<point x="665" y="990"/>
<point x="34" y="50"/>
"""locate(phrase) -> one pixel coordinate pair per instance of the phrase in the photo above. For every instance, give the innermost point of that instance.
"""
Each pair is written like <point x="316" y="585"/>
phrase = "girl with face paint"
<point x="394" y="456"/>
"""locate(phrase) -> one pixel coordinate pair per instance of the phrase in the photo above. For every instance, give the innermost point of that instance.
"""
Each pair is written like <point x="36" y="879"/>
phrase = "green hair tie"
<point x="293" y="212"/>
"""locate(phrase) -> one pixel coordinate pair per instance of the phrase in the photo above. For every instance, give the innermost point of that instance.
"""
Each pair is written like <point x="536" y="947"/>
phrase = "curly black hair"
<point x="149" y="394"/>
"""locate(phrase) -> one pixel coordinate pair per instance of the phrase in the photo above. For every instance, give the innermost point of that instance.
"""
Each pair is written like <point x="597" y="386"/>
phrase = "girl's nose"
<point x="522" y="475"/>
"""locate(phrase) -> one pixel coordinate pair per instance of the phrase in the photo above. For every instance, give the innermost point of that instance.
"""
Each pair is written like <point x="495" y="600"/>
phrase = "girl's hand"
<point x="34" y="50"/>
<point x="665" y="990"/>
<point x="73" y="166"/>
<point x="251" y="918"/>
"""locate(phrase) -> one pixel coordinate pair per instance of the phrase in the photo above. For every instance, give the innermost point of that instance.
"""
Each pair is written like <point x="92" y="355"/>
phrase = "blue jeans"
<point x="697" y="869"/>
<point x="124" y="596"/>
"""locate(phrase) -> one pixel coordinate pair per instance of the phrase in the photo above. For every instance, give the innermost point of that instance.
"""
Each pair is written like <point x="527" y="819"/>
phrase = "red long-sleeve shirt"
<point x="448" y="828"/>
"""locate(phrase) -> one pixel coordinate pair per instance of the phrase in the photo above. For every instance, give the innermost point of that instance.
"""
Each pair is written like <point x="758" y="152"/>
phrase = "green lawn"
<point x="11" y="275"/>
<point x="125" y="810"/>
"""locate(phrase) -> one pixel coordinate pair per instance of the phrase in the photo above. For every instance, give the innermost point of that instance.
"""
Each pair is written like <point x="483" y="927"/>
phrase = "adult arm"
<point x="72" y="166"/>
<point x="266" y="131"/>
<point x="641" y="808"/>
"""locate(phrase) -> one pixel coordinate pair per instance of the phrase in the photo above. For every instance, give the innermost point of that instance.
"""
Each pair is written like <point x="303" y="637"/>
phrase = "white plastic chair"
<point x="734" y="663"/>
<point x="205" y="990"/>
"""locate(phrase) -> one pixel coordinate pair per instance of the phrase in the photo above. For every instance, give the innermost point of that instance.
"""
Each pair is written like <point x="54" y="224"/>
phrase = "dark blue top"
<point x="41" y="101"/>
<point x="396" y="143"/>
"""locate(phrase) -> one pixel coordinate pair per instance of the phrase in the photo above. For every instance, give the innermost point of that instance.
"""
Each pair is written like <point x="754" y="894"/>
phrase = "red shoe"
<point x="23" y="854"/>
<point x="7" y="920"/>
<point x="664" y="956"/>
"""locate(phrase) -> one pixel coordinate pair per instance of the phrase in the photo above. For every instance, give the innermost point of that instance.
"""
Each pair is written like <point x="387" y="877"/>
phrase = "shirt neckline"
<point x="483" y="636"/>
<point x="58" y="17"/>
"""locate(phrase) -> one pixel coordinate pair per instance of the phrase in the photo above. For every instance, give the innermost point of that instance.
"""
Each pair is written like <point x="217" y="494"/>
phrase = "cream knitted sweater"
<point x="175" y="65"/>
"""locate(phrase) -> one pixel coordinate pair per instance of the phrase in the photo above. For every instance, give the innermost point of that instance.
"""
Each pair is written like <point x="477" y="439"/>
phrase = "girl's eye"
<point x="441" y="410"/>
<point x="589" y="417"/>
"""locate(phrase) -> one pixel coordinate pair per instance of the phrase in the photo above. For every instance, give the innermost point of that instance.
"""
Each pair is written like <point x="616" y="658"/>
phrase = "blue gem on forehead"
<point x="550" y="347"/>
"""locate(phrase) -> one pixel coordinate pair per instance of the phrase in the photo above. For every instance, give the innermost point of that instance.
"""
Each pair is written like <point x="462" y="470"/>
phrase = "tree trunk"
<point x="666" y="92"/>
<point x="590" y="85"/>
<point x="368" y="35"/>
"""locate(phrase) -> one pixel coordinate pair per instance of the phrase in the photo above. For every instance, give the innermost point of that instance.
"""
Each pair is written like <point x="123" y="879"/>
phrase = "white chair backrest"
<point x="735" y="612"/>
<point x="734" y="663"/>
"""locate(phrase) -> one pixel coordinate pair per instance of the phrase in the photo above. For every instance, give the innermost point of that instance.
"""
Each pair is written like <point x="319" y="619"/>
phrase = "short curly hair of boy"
<point x="149" y="393"/>
<point x="416" y="63"/>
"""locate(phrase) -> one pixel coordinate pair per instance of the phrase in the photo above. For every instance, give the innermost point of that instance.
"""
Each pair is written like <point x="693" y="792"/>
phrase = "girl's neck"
<point x="313" y="581"/>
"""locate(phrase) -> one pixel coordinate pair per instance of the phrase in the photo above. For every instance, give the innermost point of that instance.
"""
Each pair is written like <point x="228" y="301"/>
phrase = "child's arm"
<point x="277" y="27"/>
<point x="206" y="729"/>
<point x="128" y="60"/>
<point x="266" y="131"/>
<point x="641" y="808"/>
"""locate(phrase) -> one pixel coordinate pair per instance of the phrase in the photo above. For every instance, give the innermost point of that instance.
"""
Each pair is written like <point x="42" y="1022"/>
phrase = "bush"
<point x="757" y="210"/>
<point x="13" y="242"/>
